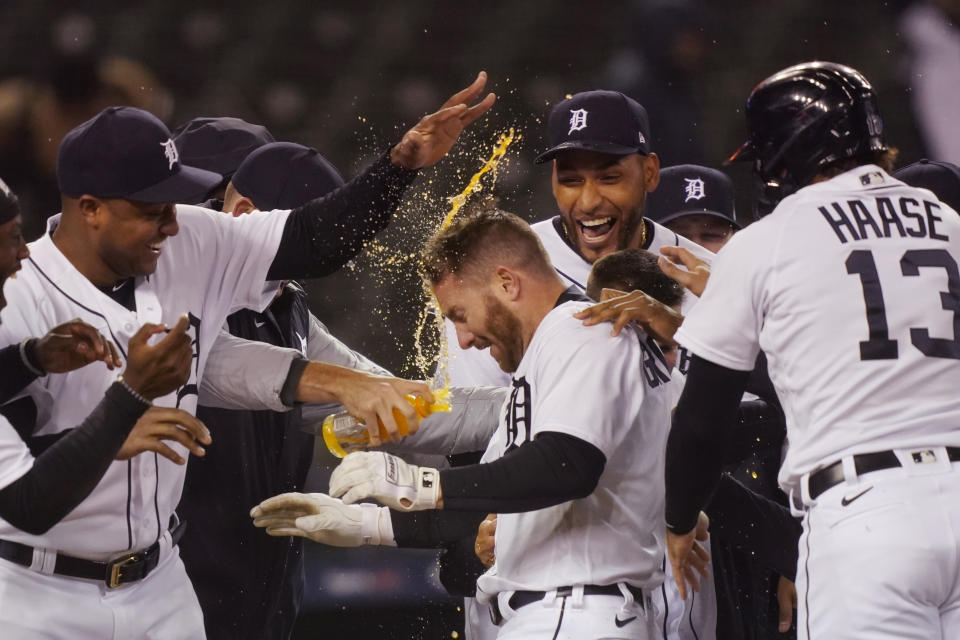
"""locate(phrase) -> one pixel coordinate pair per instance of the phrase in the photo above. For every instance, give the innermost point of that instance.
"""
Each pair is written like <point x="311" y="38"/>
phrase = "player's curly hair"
<point x="480" y="240"/>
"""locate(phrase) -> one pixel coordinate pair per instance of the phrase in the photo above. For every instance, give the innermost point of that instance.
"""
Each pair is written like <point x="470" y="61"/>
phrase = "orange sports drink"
<point x="343" y="433"/>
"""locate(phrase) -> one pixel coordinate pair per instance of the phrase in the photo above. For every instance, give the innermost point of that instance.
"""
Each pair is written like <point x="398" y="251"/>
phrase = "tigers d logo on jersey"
<point x="518" y="414"/>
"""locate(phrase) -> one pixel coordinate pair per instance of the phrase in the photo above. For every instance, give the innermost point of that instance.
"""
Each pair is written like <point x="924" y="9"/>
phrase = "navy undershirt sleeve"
<point x="552" y="469"/>
<point x="324" y="234"/>
<point x="66" y="472"/>
<point x="696" y="445"/>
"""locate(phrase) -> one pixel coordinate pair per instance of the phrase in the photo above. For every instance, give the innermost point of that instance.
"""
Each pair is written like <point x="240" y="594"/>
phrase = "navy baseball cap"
<point x="125" y="152"/>
<point x="219" y="144"/>
<point x="601" y="121"/>
<point x="284" y="175"/>
<point x="688" y="189"/>
<point x="943" y="178"/>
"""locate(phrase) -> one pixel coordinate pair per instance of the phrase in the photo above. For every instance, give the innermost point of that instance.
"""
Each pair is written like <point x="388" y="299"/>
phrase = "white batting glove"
<point x="323" y="519"/>
<point x="387" y="479"/>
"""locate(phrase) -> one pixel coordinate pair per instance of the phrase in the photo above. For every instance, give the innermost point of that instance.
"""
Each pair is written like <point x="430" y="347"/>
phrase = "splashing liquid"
<point x="430" y="315"/>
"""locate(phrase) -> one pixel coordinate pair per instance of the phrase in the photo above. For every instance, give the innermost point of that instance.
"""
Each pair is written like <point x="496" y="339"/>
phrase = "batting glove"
<point x="323" y="519"/>
<point x="387" y="479"/>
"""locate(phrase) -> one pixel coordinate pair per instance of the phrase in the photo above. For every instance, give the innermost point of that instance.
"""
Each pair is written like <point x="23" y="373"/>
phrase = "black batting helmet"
<point x="804" y="118"/>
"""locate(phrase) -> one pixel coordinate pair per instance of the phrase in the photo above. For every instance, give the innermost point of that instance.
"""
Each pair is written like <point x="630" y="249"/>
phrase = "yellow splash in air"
<point x="457" y="202"/>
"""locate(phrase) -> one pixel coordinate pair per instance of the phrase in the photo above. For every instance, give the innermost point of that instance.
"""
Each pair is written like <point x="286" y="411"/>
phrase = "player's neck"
<point x="72" y="244"/>
<point x="543" y="299"/>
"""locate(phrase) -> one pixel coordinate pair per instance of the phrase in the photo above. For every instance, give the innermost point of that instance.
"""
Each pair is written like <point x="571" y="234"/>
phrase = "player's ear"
<point x="243" y="205"/>
<point x="651" y="171"/>
<point x="507" y="283"/>
<point x="92" y="209"/>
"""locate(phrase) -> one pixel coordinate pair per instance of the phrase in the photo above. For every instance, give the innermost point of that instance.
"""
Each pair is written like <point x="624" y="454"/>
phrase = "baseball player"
<point x="39" y="488"/>
<point x="121" y="254"/>
<point x="561" y="472"/>
<point x="871" y="311"/>
<point x="249" y="585"/>
<point x="696" y="203"/>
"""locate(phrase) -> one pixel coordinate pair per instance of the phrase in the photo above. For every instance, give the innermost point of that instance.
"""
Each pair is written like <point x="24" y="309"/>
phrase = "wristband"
<point x="132" y="392"/>
<point x="28" y="353"/>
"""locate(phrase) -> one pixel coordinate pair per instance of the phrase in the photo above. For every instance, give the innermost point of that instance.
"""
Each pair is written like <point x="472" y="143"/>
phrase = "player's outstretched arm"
<point x="371" y="398"/>
<point x="654" y="317"/>
<point x="61" y="477"/>
<point x="324" y="234"/>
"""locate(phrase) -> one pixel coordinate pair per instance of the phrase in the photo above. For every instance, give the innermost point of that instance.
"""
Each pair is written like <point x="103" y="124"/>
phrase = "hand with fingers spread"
<point x="388" y="480"/>
<point x="693" y="276"/>
<point x="323" y="519"/>
<point x="688" y="557"/>
<point x="374" y="400"/>
<point x="432" y="137"/>
<point x="165" y="423"/>
<point x="485" y="547"/>
<point x="654" y="317"/>
<point x="73" y="345"/>
<point x="155" y="371"/>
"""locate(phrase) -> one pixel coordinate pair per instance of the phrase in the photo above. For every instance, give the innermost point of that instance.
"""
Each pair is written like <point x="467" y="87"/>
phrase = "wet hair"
<point x="632" y="270"/>
<point x="481" y="240"/>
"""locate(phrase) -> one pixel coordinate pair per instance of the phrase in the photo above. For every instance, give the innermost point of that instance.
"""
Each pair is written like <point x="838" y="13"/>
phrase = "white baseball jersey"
<point x="476" y="368"/>
<point x="215" y="265"/>
<point x="851" y="287"/>
<point x="610" y="392"/>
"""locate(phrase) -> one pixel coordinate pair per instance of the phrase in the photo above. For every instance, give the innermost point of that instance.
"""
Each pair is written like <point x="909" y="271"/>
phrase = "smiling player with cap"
<point x="122" y="254"/>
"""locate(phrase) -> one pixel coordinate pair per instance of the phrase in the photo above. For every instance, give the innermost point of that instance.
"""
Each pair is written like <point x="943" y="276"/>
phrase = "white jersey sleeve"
<point x="723" y="327"/>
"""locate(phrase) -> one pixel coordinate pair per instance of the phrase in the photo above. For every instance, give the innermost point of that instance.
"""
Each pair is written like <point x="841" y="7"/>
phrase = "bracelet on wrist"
<point x="132" y="391"/>
<point x="28" y="353"/>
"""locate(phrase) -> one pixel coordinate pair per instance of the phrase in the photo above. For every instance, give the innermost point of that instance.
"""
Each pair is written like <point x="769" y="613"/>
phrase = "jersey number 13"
<point x="880" y="346"/>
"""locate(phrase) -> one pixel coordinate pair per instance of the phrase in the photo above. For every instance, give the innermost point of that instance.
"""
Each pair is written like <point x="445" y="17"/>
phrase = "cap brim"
<point x="189" y="185"/>
<point x="744" y="153"/>
<point x="699" y="212"/>
<point x="586" y="145"/>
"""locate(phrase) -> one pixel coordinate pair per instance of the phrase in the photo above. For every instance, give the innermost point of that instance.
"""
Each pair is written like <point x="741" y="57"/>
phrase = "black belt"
<point x="831" y="476"/>
<point x="523" y="598"/>
<point x="124" y="569"/>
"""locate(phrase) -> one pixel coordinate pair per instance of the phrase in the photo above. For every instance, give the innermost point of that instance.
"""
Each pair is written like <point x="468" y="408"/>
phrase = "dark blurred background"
<point x="348" y="78"/>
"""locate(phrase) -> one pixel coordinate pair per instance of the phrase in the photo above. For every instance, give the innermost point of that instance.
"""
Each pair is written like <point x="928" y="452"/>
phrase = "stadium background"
<point x="347" y="78"/>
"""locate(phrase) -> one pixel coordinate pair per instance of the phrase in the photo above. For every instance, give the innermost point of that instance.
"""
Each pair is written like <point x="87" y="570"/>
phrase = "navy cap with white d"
<point x="943" y="178"/>
<point x="688" y="189"/>
<point x="125" y="152"/>
<point x="601" y="121"/>
<point x="285" y="175"/>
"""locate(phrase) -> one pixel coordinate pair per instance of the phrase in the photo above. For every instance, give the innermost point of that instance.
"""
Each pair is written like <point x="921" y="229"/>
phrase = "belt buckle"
<point x="115" y="567"/>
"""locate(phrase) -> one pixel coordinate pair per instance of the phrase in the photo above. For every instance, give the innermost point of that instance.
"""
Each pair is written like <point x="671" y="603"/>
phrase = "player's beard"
<point x="504" y="329"/>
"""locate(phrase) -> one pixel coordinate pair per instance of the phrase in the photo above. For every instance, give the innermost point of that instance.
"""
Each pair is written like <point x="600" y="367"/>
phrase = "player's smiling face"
<point x="481" y="320"/>
<point x="601" y="198"/>
<point x="13" y="250"/>
<point x="131" y="236"/>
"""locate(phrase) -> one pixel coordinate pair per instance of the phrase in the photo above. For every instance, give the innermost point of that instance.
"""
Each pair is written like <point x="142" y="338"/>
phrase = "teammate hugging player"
<point x="852" y="288"/>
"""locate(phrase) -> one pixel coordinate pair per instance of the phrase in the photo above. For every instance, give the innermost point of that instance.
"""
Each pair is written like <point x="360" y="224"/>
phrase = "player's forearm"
<point x="430" y="529"/>
<point x="65" y="474"/>
<point x="552" y="469"/>
<point x="754" y="524"/>
<point x="322" y="382"/>
<point x="701" y="422"/>
<point x="460" y="567"/>
<point x="324" y="234"/>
